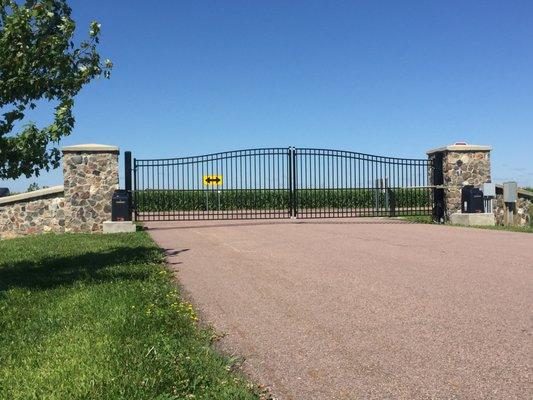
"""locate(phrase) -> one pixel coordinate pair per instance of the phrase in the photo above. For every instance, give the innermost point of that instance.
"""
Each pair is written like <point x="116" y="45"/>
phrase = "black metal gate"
<point x="279" y="183"/>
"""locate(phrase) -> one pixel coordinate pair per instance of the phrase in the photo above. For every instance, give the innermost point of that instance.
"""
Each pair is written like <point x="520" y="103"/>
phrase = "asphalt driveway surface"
<point x="355" y="309"/>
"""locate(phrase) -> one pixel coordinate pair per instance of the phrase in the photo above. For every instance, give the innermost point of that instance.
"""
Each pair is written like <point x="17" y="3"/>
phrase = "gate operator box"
<point x="472" y="200"/>
<point x="121" y="206"/>
<point x="510" y="191"/>
<point x="489" y="189"/>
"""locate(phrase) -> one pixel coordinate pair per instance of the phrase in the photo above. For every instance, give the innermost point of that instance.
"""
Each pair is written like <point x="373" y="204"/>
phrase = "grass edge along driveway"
<point x="97" y="316"/>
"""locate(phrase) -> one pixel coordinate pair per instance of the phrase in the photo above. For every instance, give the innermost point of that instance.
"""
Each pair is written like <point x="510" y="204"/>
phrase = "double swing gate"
<point x="278" y="183"/>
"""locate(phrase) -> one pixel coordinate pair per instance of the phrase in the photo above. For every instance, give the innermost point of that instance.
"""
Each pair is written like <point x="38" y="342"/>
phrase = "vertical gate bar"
<point x="156" y="179"/>
<point x="350" y="186"/>
<point x="265" y="197"/>
<point x="371" y="184"/>
<point x="240" y="186"/>
<point x="156" y="163"/>
<point x="228" y="185"/>
<point x="323" y="210"/>
<point x="212" y="204"/>
<point x="254" y="186"/>
<point x="345" y="180"/>
<point x="249" y="185"/>
<point x="198" y="181"/>
<point x="138" y="175"/>
<point x="213" y="189"/>
<point x="368" y="210"/>
<point x="417" y="183"/>
<point x="284" y="182"/>
<point x="331" y="183"/>
<point x="381" y="184"/>
<point x="190" y="187"/>
<point x="134" y="196"/>
<point x="221" y="189"/>
<point x="205" y="212"/>
<point x="163" y="190"/>
<point x="256" y="212"/>
<point x="259" y="184"/>
<point x="266" y="180"/>
<point x="295" y="182"/>
<point x="149" y="171"/>
<point x="189" y="192"/>
<point x="304" y="192"/>
<point x="315" y="197"/>
<point x="363" y="185"/>
<point x="346" y="184"/>
<point x="356" y="184"/>
<point x="143" y="187"/>
<point x="336" y="185"/>
<point x="412" y="184"/>
<point x="168" y="193"/>
<point x="207" y="190"/>
<point x="244" y="183"/>
<point x="289" y="180"/>
<point x="181" y="187"/>
<point x="148" y="168"/>
<point x="329" y="168"/>
<point x="262" y="163"/>
<point x="173" y="192"/>
<point x="258" y="193"/>
<point x="238" y="181"/>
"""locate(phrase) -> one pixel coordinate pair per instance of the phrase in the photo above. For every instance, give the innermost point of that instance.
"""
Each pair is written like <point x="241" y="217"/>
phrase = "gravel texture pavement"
<point x="364" y="309"/>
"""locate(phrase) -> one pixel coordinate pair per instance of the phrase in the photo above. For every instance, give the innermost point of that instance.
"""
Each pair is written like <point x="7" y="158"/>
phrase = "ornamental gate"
<point x="278" y="183"/>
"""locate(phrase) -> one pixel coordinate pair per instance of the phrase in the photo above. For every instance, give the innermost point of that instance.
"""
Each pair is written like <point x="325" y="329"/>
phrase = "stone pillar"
<point x="462" y="165"/>
<point x="90" y="174"/>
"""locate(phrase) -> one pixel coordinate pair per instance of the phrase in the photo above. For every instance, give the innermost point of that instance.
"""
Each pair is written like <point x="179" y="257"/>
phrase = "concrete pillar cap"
<point x="459" y="148"/>
<point x="90" y="148"/>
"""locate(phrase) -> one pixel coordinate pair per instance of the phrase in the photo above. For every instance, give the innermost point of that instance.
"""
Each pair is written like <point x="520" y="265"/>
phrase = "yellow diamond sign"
<point x="212" y="180"/>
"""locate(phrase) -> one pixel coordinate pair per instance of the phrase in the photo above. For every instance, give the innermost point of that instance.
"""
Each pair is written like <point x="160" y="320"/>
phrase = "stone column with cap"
<point x="90" y="174"/>
<point x="462" y="165"/>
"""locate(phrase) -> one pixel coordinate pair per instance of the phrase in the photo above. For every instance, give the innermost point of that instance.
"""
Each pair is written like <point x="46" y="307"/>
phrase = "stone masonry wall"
<point x="90" y="179"/>
<point x="462" y="169"/>
<point x="81" y="204"/>
<point x="461" y="166"/>
<point x="38" y="215"/>
<point x="522" y="213"/>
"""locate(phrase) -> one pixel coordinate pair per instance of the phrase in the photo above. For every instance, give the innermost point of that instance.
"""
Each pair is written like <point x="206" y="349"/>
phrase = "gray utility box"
<point x="489" y="189"/>
<point x="510" y="192"/>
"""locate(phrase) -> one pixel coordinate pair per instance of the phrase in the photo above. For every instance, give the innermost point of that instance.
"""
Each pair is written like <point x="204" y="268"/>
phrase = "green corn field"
<point x="257" y="199"/>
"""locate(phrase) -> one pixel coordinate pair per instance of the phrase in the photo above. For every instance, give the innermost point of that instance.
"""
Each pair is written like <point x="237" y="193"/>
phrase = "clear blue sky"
<point x="382" y="77"/>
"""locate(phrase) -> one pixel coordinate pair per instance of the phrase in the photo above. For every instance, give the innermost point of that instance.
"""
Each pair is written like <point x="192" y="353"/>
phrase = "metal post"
<point x="289" y="180"/>
<point x="127" y="173"/>
<point x="293" y="178"/>
<point x="127" y="181"/>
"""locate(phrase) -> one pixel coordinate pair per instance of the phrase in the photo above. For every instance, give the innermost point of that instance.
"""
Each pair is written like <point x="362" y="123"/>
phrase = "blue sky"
<point x="381" y="77"/>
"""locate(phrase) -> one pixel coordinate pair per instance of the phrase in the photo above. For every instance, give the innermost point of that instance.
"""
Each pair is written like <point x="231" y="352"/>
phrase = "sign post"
<point x="212" y="181"/>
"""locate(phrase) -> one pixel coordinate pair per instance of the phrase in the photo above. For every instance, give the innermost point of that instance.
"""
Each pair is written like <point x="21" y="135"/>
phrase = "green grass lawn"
<point x="97" y="317"/>
<point x="425" y="219"/>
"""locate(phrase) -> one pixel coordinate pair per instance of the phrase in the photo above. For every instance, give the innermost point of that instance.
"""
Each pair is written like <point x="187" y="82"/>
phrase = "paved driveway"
<point x="345" y="309"/>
